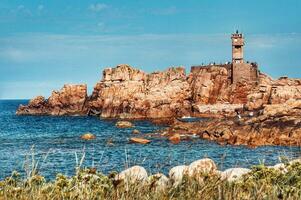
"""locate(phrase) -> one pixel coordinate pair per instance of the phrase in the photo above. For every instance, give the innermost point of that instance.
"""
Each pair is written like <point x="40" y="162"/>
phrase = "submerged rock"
<point x="110" y="142"/>
<point x="88" y="136"/>
<point x="135" y="131"/>
<point x="175" y="139"/>
<point x="139" y="140"/>
<point x="133" y="174"/>
<point x="124" y="124"/>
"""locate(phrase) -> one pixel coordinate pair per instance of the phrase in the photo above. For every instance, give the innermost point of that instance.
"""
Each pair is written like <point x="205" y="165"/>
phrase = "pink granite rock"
<point x="70" y="100"/>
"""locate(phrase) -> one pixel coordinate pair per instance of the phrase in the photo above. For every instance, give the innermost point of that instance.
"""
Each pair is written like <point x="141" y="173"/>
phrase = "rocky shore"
<point x="265" y="113"/>
<point x="276" y="124"/>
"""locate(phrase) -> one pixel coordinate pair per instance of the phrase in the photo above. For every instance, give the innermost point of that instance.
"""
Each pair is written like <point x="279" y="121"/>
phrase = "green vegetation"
<point x="261" y="183"/>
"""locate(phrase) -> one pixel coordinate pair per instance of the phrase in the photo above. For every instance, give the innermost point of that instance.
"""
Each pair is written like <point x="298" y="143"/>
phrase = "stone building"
<point x="238" y="69"/>
<point x="241" y="71"/>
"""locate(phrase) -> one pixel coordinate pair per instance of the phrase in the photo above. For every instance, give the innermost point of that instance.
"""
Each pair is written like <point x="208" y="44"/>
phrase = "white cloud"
<point x="263" y="41"/>
<point x="98" y="7"/>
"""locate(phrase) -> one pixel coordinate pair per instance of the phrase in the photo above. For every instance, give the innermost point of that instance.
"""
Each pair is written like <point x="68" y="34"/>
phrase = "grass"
<point x="261" y="183"/>
<point x="88" y="183"/>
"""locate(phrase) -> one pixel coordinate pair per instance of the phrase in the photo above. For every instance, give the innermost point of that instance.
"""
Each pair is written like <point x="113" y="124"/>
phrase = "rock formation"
<point x="123" y="92"/>
<point x="70" y="100"/>
<point x="126" y="92"/>
<point x="277" y="124"/>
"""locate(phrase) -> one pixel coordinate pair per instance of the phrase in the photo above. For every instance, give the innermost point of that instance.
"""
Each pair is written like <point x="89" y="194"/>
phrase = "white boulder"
<point x="234" y="174"/>
<point x="280" y="166"/>
<point x="159" y="181"/>
<point x="176" y="174"/>
<point x="133" y="174"/>
<point x="202" y="166"/>
<point x="298" y="160"/>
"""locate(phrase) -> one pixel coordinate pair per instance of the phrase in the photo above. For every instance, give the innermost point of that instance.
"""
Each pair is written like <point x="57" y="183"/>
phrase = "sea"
<point x="52" y="145"/>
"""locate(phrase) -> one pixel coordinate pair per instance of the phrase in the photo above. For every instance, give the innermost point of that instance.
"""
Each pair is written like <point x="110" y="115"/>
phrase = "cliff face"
<point x="129" y="93"/>
<point x="125" y="92"/>
<point x="209" y="85"/>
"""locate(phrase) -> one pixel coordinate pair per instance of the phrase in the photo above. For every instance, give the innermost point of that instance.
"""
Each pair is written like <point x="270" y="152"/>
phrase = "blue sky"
<point x="44" y="44"/>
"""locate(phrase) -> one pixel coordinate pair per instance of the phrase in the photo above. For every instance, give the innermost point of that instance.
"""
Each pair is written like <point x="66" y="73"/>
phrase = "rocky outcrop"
<point x="217" y="109"/>
<point x="70" y="100"/>
<point x="213" y="93"/>
<point x="210" y="85"/>
<point x="277" y="124"/>
<point x="274" y="92"/>
<point x="126" y="92"/>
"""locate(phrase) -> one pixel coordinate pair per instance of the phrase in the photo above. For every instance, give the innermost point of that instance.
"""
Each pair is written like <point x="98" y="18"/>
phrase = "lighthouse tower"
<point x="241" y="71"/>
<point x="237" y="48"/>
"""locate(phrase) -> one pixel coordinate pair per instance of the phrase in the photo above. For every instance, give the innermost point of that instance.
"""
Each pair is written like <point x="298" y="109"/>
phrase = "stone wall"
<point x="244" y="72"/>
